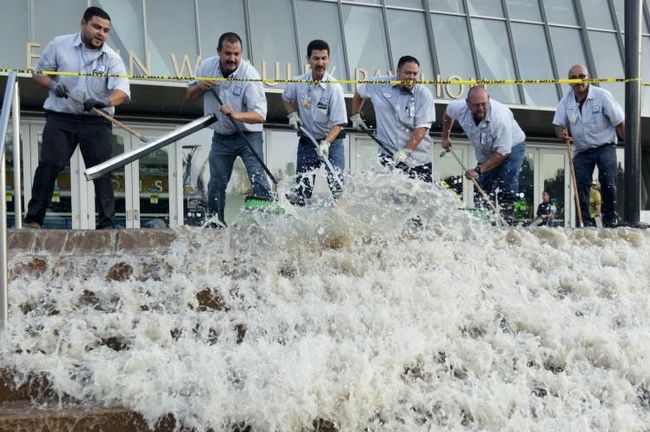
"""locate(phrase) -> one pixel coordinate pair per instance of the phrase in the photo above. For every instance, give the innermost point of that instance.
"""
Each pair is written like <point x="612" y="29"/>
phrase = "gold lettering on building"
<point x="134" y="60"/>
<point x="31" y="55"/>
<point x="185" y="63"/>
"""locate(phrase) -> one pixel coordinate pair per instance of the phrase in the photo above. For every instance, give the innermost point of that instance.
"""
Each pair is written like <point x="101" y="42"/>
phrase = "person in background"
<point x="245" y="103"/>
<point x="589" y="117"/>
<point x="546" y="210"/>
<point x="70" y="121"/>
<point x="595" y="205"/>
<point x="404" y="113"/>
<point x="321" y="111"/>
<point x="498" y="141"/>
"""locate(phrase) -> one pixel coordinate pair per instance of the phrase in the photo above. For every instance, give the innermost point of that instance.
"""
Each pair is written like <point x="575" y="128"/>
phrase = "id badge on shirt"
<point x="100" y="69"/>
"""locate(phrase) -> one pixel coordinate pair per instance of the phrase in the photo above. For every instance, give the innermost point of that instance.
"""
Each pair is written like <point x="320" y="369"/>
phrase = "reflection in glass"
<point x="402" y="42"/>
<point x="154" y="189"/>
<point x="608" y="62"/>
<point x="495" y="58"/>
<point x="534" y="63"/>
<point x="365" y="39"/>
<point x="14" y="27"/>
<point x="450" y="173"/>
<point x="568" y="49"/>
<point x="217" y="17"/>
<point x="553" y="170"/>
<point x="447" y="6"/>
<point x="451" y="38"/>
<point x="485" y="7"/>
<point x="560" y="12"/>
<point x="524" y="9"/>
<point x="127" y="34"/>
<point x="55" y="18"/>
<point x="597" y="14"/>
<point x="162" y="42"/>
<point x="274" y="46"/>
<point x="645" y="90"/>
<point x="524" y="207"/>
<point x="620" y="181"/>
<point x="319" y="20"/>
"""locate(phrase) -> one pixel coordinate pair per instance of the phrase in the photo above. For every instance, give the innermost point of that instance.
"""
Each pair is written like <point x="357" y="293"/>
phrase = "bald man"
<point x="589" y="117"/>
<point x="499" y="144"/>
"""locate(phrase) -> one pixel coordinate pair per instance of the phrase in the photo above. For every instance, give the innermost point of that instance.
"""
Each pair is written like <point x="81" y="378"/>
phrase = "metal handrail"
<point x="4" y="123"/>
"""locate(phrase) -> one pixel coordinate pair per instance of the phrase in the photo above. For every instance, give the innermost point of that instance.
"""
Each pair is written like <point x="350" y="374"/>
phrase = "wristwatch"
<point x="477" y="170"/>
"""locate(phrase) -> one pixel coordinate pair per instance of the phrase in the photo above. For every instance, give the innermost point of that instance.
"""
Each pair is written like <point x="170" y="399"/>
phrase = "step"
<point x="36" y="388"/>
<point x="23" y="416"/>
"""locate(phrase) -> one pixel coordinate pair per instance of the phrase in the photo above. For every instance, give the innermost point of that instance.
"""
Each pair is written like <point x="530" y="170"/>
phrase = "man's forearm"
<point x="416" y="138"/>
<point x="447" y="124"/>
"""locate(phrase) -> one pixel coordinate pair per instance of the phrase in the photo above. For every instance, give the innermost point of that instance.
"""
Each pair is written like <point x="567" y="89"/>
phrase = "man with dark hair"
<point x="589" y="117"/>
<point x="245" y="103"/>
<point x="404" y="114"/>
<point x="498" y="141"/>
<point x="70" y="123"/>
<point x="546" y="210"/>
<point x="321" y="112"/>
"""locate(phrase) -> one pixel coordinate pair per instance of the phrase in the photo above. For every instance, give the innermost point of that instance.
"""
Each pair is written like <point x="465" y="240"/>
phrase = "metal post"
<point x="4" y="122"/>
<point x="18" y="200"/>
<point x="632" y="213"/>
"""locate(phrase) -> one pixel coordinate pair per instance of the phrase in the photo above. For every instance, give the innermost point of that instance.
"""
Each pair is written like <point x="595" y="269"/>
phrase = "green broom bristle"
<point x="255" y="203"/>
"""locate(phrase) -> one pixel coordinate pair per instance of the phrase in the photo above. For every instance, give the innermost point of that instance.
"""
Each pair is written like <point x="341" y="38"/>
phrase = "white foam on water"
<point x="355" y="315"/>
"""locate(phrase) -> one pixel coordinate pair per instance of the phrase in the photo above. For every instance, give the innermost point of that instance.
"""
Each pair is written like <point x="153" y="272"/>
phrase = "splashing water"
<point x="391" y="310"/>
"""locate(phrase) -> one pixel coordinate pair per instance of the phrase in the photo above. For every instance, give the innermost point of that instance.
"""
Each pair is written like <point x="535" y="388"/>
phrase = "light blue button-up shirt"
<point x="321" y="106"/>
<point x="399" y="113"/>
<point x="595" y="124"/>
<point x="67" y="53"/>
<point x="498" y="132"/>
<point x="243" y="96"/>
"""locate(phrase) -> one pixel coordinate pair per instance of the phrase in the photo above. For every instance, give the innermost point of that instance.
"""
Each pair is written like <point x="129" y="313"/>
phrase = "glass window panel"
<point x="553" y="168"/>
<point x="415" y="4"/>
<point x="495" y="58"/>
<point x="402" y="41"/>
<point x="485" y="7"/>
<point x="608" y="62"/>
<point x="374" y="2"/>
<point x="56" y="18"/>
<point x="560" y="12"/>
<point x="365" y="39"/>
<point x="645" y="71"/>
<point x="126" y="26"/>
<point x="451" y="38"/>
<point x="217" y="17"/>
<point x="524" y="209"/>
<point x="274" y="46"/>
<point x="534" y="63"/>
<point x="162" y="42"/>
<point x="568" y="50"/>
<point x="524" y="9"/>
<point x="13" y="27"/>
<point x="597" y="14"/>
<point x="447" y="6"/>
<point x="319" y="20"/>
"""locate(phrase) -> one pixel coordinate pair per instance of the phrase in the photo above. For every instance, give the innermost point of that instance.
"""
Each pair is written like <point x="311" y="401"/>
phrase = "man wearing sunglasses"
<point x="589" y="117"/>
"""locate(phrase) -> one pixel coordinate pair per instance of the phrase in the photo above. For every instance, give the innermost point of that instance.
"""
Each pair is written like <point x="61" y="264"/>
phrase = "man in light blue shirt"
<point x="321" y="111"/>
<point x="589" y="117"/>
<point x="498" y="141"/>
<point x="245" y="103"/>
<point x="404" y="114"/>
<point x="70" y="123"/>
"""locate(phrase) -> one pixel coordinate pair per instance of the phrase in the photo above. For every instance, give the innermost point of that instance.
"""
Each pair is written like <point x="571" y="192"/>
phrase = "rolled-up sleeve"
<point x="255" y="99"/>
<point x="425" y="112"/>
<point x="560" y="117"/>
<point x="289" y="93"/>
<point x="338" y="114"/>
<point x="47" y="60"/>
<point x="116" y="67"/>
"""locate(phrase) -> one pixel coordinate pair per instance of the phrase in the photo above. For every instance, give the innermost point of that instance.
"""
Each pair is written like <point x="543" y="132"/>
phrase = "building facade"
<point x="453" y="39"/>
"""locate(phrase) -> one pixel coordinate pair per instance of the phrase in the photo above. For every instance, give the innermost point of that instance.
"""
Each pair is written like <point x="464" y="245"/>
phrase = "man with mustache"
<point x="589" y="117"/>
<point x="404" y="114"/>
<point x="321" y="111"/>
<point x="498" y="141"/>
<point x="70" y="123"/>
<point x="245" y="103"/>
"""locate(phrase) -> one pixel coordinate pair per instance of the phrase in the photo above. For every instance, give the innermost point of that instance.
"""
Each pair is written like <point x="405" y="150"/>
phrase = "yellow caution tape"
<point x="469" y="82"/>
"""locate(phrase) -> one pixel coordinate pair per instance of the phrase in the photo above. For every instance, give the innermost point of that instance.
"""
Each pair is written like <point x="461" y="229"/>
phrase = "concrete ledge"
<point x="87" y="242"/>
